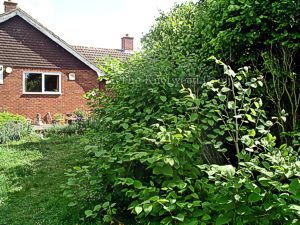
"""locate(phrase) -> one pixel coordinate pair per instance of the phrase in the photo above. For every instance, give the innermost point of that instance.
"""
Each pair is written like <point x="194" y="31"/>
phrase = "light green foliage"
<point x="6" y="117"/>
<point x="58" y="116"/>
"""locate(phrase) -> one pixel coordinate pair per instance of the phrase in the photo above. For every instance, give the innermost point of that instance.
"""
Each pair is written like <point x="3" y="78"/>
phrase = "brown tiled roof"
<point x="19" y="12"/>
<point x="97" y="55"/>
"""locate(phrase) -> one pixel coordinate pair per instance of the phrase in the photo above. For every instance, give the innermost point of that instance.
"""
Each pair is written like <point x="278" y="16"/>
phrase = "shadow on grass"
<point x="35" y="169"/>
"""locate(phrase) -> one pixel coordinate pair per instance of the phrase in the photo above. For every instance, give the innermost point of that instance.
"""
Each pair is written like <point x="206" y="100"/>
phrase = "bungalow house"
<point x="39" y="72"/>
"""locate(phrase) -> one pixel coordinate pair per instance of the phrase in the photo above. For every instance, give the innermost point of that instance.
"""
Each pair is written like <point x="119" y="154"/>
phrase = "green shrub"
<point x="13" y="127"/>
<point x="6" y="117"/>
<point x="154" y="149"/>
<point x="149" y="166"/>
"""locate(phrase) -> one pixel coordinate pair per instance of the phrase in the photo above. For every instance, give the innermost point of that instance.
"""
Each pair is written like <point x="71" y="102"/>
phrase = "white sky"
<point x="97" y="23"/>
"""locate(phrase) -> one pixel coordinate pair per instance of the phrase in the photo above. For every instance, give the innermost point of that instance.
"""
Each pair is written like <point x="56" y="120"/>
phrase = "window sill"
<point x="41" y="93"/>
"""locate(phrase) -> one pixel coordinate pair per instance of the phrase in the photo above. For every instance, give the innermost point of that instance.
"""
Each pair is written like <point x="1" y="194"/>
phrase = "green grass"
<point x="31" y="173"/>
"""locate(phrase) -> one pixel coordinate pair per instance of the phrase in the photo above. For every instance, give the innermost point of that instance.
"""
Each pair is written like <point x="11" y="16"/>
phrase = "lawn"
<point x="31" y="175"/>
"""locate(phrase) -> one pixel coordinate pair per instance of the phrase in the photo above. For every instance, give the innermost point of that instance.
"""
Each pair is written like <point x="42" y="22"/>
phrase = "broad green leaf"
<point x="138" y="209"/>
<point x="163" y="98"/>
<point x="137" y="184"/>
<point x="168" y="147"/>
<point x="230" y="104"/>
<point x="194" y="117"/>
<point x="225" y="89"/>
<point x="166" y="221"/>
<point x="107" y="218"/>
<point x="192" y="221"/>
<point x="71" y="204"/>
<point x="125" y="125"/>
<point x="295" y="189"/>
<point x="222" y="97"/>
<point x="295" y="208"/>
<point x="147" y="208"/>
<point x="97" y="208"/>
<point x="105" y="205"/>
<point x="88" y="213"/>
<point x="179" y="217"/>
<point x="249" y="117"/>
<point x="252" y="133"/>
<point x="257" y="105"/>
<point x="206" y="217"/>
<point x="253" y="197"/>
<point x="164" y="170"/>
<point x="223" y="219"/>
<point x="211" y="122"/>
<point x="169" y="161"/>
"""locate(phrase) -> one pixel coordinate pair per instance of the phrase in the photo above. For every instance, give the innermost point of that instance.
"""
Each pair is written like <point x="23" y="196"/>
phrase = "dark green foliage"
<point x="240" y="33"/>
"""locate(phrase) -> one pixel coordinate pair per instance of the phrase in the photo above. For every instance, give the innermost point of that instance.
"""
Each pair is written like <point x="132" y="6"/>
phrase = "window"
<point x="42" y="83"/>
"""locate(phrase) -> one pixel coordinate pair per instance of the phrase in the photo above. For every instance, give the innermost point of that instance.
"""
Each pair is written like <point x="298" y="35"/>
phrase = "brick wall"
<point x="127" y="43"/>
<point x="13" y="99"/>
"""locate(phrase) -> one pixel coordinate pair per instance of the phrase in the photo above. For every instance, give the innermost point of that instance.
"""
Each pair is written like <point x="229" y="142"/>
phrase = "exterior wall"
<point x="13" y="100"/>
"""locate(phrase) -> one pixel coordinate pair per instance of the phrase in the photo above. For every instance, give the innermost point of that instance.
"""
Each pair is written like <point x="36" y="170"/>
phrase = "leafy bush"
<point x="148" y="167"/>
<point x="260" y="34"/>
<point x="13" y="127"/>
<point x="206" y="154"/>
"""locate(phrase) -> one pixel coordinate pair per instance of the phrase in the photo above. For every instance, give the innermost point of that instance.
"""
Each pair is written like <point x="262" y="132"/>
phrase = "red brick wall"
<point x="13" y="99"/>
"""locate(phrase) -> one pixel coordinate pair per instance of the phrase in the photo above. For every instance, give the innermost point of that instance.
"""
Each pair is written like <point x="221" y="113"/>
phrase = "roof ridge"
<point x="91" y="47"/>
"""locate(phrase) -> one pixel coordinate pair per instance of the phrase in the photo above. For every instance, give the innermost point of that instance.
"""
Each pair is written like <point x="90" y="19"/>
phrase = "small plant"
<point x="58" y="118"/>
<point x="79" y="112"/>
<point x="13" y="127"/>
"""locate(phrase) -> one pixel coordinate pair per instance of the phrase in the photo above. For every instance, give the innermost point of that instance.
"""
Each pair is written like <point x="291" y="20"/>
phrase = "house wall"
<point x="13" y="100"/>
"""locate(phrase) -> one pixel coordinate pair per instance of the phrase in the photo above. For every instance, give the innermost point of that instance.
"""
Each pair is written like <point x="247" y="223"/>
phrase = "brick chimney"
<point x="127" y="43"/>
<point x="9" y="6"/>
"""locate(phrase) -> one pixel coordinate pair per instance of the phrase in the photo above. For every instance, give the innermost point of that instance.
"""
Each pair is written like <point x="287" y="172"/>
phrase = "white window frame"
<point x="43" y="92"/>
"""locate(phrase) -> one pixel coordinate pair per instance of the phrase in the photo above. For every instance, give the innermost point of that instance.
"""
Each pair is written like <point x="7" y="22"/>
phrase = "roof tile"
<point x="97" y="55"/>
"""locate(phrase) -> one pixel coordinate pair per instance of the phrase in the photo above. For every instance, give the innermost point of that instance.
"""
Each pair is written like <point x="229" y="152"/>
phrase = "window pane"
<point x="51" y="83"/>
<point x="33" y="82"/>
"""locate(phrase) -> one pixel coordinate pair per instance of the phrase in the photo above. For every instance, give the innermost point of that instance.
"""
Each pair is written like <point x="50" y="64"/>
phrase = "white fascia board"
<point x="49" y="34"/>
